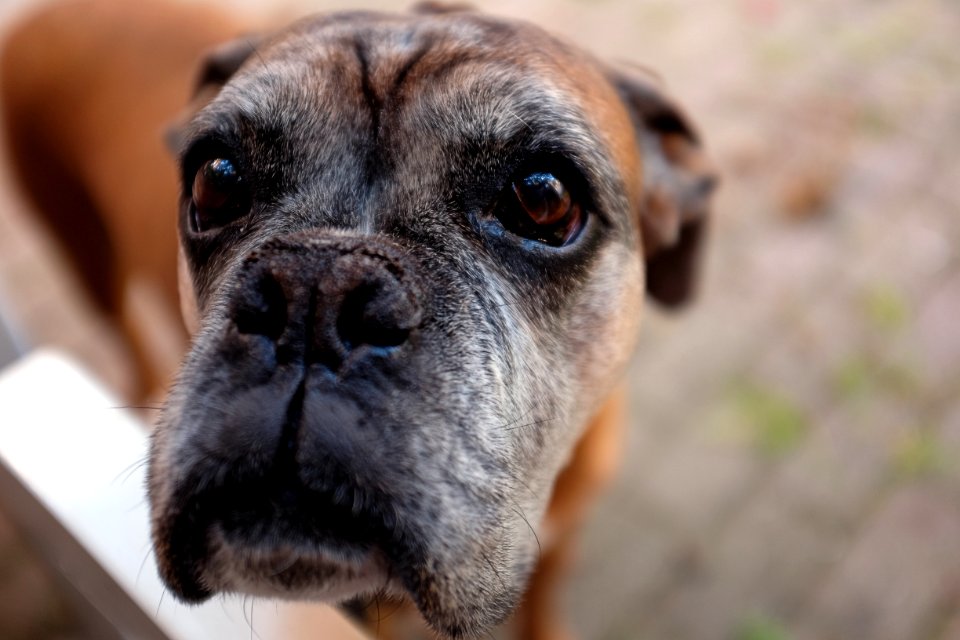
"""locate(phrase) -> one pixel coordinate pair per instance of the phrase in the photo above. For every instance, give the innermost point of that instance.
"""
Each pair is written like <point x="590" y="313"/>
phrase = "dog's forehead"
<point x="400" y="42"/>
<point x="451" y="67"/>
<point x="394" y="56"/>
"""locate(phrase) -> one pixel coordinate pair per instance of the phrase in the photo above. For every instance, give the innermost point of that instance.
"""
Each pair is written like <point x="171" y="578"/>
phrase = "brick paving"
<point x="793" y="466"/>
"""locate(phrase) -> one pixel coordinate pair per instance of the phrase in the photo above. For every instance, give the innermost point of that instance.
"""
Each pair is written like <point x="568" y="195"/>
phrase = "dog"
<point x="413" y="255"/>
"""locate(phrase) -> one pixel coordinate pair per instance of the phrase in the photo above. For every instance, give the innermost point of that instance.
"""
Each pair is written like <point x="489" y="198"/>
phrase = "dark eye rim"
<point x="198" y="154"/>
<point x="541" y="253"/>
<point x="205" y="148"/>
<point x="573" y="180"/>
<point x="236" y="205"/>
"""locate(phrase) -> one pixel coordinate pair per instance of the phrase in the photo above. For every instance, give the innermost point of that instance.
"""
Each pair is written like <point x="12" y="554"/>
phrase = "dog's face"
<point x="414" y="249"/>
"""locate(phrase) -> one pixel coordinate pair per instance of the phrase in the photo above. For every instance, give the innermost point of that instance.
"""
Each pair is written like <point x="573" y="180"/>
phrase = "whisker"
<point x="382" y="593"/>
<point x="494" y="570"/>
<point x="519" y="512"/>
<point x="162" y="594"/>
<point x="143" y="564"/>
<point x="531" y="424"/>
<point x="254" y="50"/>
<point x="510" y="112"/>
<point x="523" y="485"/>
<point x="290" y="564"/>
<point x="249" y="621"/>
<point x="130" y="469"/>
<point x="517" y="419"/>
<point x="223" y="606"/>
<point x="139" y="504"/>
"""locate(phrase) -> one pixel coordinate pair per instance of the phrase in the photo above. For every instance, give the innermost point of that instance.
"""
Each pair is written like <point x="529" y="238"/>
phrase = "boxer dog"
<point x="413" y="253"/>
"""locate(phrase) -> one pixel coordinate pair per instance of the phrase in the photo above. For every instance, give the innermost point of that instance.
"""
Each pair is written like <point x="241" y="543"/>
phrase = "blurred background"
<point x="792" y="469"/>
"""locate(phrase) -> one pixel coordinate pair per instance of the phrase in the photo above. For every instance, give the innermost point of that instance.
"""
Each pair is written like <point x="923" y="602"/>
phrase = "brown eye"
<point x="543" y="210"/>
<point x="218" y="195"/>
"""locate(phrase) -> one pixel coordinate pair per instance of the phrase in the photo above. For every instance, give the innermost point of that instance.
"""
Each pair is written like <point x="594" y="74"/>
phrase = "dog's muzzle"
<point x="288" y="453"/>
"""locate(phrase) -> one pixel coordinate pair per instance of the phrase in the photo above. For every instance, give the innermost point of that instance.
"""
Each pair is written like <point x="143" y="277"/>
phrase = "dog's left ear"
<point x="215" y="69"/>
<point x="221" y="62"/>
<point x="678" y="181"/>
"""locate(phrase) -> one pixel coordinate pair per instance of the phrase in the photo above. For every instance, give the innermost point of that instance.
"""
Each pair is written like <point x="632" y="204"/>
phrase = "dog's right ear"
<point x="678" y="181"/>
<point x="216" y="68"/>
<point x="221" y="62"/>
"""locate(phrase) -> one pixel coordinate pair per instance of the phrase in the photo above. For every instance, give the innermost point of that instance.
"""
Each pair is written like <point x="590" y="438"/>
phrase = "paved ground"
<point x="793" y="466"/>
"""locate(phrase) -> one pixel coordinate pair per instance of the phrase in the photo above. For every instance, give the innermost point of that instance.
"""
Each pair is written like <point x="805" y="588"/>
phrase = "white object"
<point x="72" y="474"/>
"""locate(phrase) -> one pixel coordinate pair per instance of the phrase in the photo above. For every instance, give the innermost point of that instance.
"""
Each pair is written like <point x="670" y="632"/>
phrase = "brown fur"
<point x="88" y="90"/>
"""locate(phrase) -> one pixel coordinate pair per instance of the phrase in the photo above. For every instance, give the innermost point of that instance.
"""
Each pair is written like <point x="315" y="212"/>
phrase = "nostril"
<point x="263" y="310"/>
<point x="375" y="315"/>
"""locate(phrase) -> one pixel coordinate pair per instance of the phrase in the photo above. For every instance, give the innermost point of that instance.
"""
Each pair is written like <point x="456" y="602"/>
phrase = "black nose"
<point x="328" y="301"/>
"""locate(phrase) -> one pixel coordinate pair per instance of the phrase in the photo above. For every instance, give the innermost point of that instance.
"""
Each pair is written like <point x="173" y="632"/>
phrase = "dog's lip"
<point x="268" y="532"/>
<point x="220" y="558"/>
<point x="301" y="569"/>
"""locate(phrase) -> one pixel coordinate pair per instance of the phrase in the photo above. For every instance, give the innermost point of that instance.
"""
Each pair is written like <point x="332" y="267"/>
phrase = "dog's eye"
<point x="218" y="195"/>
<point x="541" y="208"/>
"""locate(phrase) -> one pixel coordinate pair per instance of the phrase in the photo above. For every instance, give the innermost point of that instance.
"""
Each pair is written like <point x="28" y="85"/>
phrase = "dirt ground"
<point x="793" y="462"/>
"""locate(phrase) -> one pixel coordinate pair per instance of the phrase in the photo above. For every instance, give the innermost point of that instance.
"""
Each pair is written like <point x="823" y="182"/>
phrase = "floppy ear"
<point x="678" y="182"/>
<point x="221" y="62"/>
<point x="216" y="68"/>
